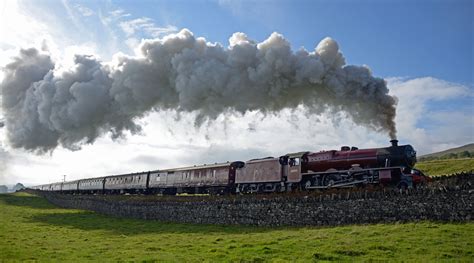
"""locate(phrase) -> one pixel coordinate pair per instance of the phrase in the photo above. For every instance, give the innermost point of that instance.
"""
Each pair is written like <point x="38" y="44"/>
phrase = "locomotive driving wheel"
<point x="307" y="183"/>
<point x="330" y="180"/>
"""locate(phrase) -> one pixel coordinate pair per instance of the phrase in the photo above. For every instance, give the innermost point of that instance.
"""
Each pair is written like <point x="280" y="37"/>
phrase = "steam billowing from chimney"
<point x="44" y="107"/>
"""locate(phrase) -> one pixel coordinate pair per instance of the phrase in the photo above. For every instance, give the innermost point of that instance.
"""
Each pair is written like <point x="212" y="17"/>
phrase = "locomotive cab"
<point x="292" y="166"/>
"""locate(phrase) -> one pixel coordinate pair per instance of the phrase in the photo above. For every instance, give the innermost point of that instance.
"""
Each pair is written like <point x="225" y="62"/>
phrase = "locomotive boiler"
<point x="349" y="157"/>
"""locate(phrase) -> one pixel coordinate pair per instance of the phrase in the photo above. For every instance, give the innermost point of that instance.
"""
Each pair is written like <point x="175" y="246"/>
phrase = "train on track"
<point x="348" y="167"/>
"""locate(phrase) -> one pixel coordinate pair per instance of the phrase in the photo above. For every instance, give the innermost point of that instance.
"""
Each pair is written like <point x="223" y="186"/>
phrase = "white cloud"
<point x="134" y="29"/>
<point x="118" y="13"/>
<point x="446" y="128"/>
<point x="131" y="26"/>
<point x="85" y="11"/>
<point x="19" y="30"/>
<point x="144" y="25"/>
<point x="110" y="18"/>
<point x="427" y="88"/>
<point x="80" y="26"/>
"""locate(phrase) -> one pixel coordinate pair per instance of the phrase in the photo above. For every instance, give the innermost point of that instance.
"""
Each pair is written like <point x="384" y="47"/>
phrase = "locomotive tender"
<point x="304" y="171"/>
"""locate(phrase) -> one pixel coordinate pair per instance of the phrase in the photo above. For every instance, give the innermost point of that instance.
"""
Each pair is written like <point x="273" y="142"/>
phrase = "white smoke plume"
<point x="45" y="107"/>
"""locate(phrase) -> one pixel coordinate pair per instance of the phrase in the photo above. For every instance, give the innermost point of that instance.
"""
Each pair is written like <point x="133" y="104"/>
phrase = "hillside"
<point x="446" y="166"/>
<point x="465" y="151"/>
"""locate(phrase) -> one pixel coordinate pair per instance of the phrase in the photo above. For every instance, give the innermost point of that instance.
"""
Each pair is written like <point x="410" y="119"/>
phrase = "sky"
<point x="423" y="50"/>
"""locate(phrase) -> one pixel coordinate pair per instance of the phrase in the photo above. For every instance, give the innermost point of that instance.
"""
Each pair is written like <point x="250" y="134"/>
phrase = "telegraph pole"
<point x="64" y="178"/>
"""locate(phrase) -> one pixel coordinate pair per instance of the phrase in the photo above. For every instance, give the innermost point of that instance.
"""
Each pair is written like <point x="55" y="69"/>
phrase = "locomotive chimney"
<point x="394" y="143"/>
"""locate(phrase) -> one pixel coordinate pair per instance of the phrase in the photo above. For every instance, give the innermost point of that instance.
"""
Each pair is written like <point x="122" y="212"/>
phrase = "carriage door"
<point x="232" y="171"/>
<point x="235" y="172"/>
<point x="294" y="169"/>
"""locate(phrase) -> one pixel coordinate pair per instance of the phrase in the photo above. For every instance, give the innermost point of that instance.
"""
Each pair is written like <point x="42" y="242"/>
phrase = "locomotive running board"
<point x="338" y="185"/>
<point x="353" y="171"/>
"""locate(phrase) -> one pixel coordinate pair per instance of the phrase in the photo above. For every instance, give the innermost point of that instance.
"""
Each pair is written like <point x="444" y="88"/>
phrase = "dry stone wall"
<point x="450" y="200"/>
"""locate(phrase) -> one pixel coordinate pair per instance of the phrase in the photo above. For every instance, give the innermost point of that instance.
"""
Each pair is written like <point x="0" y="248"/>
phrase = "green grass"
<point x="448" y="166"/>
<point x="32" y="229"/>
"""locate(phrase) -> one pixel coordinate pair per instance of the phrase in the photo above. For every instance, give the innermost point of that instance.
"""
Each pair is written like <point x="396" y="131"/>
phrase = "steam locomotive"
<point x="347" y="167"/>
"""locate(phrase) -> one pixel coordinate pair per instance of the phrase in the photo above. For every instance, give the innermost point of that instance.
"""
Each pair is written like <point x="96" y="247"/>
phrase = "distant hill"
<point x="466" y="151"/>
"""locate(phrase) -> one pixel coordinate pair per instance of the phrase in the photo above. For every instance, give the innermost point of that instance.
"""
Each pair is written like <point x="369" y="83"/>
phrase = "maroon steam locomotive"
<point x="351" y="166"/>
<point x="297" y="171"/>
<point x="347" y="157"/>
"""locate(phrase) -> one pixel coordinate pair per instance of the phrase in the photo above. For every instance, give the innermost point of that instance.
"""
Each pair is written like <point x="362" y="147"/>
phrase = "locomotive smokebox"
<point x="394" y="143"/>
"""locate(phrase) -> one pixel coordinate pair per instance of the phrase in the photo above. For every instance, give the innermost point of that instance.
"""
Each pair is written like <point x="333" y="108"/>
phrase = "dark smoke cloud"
<point x="44" y="107"/>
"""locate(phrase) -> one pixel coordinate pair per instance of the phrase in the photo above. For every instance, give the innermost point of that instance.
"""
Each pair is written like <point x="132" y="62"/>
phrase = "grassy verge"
<point x="449" y="166"/>
<point x="32" y="229"/>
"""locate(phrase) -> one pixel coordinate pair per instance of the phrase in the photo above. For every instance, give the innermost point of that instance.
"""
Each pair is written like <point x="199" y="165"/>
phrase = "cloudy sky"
<point x="104" y="50"/>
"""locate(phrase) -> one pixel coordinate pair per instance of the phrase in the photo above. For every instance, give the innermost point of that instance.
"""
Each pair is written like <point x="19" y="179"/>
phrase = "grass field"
<point x="32" y="229"/>
<point x="448" y="166"/>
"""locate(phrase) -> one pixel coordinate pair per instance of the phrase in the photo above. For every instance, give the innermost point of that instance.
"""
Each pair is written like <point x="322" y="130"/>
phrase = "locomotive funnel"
<point x="394" y="143"/>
